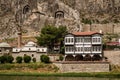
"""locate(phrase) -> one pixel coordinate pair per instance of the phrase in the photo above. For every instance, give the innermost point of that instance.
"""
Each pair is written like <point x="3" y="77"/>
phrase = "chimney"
<point x="19" y="39"/>
<point x="100" y="31"/>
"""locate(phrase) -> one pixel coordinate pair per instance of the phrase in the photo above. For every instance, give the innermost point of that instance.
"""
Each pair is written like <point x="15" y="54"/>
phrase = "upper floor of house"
<point x="81" y="38"/>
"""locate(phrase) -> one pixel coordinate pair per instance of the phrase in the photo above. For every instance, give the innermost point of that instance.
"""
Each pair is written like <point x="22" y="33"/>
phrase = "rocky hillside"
<point x="32" y="15"/>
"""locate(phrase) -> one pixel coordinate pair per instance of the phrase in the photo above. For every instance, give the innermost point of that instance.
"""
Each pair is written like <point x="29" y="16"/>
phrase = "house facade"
<point x="31" y="50"/>
<point x="83" y="46"/>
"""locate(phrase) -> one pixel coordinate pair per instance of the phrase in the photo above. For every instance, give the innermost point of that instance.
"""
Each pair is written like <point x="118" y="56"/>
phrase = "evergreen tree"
<point x="51" y="35"/>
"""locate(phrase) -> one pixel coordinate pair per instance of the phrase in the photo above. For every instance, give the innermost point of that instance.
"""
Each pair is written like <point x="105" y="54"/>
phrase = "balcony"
<point x="81" y="52"/>
<point x="71" y="43"/>
<point x="69" y="52"/>
<point x="96" y="43"/>
<point x="96" y="52"/>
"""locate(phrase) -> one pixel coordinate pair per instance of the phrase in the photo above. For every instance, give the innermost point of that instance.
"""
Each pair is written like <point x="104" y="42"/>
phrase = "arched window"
<point x="59" y="14"/>
<point x="26" y="9"/>
<point x="32" y="55"/>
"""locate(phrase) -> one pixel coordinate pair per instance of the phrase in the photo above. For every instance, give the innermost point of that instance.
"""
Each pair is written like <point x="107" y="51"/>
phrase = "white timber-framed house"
<point x="83" y="46"/>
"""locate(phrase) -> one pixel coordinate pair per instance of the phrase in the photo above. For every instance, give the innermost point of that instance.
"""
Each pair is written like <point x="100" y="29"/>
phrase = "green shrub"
<point x="27" y="59"/>
<point x="10" y="58"/>
<point x="34" y="60"/>
<point x="45" y="59"/>
<point x="61" y="57"/>
<point x="19" y="59"/>
<point x="3" y="59"/>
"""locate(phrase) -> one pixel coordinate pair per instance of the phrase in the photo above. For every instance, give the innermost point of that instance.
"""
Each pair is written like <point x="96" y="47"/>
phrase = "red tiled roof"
<point x="84" y="33"/>
<point x="112" y="43"/>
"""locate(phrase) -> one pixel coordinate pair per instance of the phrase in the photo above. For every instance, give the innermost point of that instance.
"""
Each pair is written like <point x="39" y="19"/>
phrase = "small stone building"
<point x="5" y="48"/>
<point x="30" y="49"/>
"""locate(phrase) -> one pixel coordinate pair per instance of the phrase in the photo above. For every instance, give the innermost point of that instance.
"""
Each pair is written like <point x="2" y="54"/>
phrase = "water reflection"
<point x="52" y="78"/>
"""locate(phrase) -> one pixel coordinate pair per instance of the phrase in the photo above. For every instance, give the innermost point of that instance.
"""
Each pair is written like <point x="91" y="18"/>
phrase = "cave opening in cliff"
<point x="59" y="14"/>
<point x="26" y="9"/>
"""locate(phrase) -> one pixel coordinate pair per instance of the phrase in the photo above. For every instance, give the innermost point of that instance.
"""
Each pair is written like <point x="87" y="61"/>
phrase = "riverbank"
<point x="28" y="68"/>
<point x="99" y="75"/>
<point x="50" y="70"/>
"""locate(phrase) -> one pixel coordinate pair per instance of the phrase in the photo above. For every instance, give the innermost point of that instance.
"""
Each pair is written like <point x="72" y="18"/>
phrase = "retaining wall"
<point x="83" y="66"/>
<point x="113" y="57"/>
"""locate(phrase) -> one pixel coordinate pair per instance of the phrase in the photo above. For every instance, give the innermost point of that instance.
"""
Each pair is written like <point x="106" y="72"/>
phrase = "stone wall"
<point x="35" y="55"/>
<point x="31" y="54"/>
<point x="113" y="57"/>
<point x="83" y="66"/>
<point x="106" y="28"/>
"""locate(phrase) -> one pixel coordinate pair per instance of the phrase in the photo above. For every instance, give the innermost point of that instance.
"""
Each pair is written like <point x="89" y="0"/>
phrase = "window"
<point x="69" y="49"/>
<point x="32" y="55"/>
<point x="93" y="39"/>
<point x="69" y="40"/>
<point x="16" y="50"/>
<point x="99" y="40"/>
<point x="78" y="39"/>
<point x="96" y="40"/>
<point x="79" y="49"/>
<point x="87" y="39"/>
<point x="96" y="48"/>
<point x="38" y="50"/>
<point x="29" y="49"/>
<point x="87" y="49"/>
<point x="42" y="50"/>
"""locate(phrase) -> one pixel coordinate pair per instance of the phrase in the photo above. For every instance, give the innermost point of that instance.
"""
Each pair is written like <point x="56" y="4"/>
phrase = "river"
<point x="52" y="78"/>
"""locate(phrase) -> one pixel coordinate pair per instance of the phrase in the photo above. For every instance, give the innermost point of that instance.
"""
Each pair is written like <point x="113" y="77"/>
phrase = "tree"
<point x="19" y="59"/>
<point x="34" y="60"/>
<point x="3" y="59"/>
<point x="62" y="31"/>
<point x="61" y="58"/>
<point x="51" y="35"/>
<point x="6" y="59"/>
<point x="10" y="58"/>
<point x="27" y="59"/>
<point x="45" y="59"/>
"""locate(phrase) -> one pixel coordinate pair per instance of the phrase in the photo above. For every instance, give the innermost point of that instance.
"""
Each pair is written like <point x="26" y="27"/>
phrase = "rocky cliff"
<point x="32" y="15"/>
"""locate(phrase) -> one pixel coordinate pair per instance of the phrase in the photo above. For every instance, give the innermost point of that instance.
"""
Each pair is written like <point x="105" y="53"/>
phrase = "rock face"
<point x="32" y="15"/>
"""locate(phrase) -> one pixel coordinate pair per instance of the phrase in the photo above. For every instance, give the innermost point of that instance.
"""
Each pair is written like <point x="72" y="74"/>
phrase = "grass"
<point x="50" y="70"/>
<point x="28" y="67"/>
<point x="100" y="75"/>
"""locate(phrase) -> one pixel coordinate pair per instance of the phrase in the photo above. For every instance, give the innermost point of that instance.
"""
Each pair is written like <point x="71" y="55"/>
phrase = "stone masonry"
<point x="113" y="57"/>
<point x="83" y="66"/>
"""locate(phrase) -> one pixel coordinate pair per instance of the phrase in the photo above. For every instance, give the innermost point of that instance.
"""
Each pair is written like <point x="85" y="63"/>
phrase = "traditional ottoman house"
<point x="83" y="46"/>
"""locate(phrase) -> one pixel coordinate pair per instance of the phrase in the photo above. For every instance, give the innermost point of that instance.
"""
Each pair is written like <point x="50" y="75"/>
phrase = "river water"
<point x="52" y="78"/>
